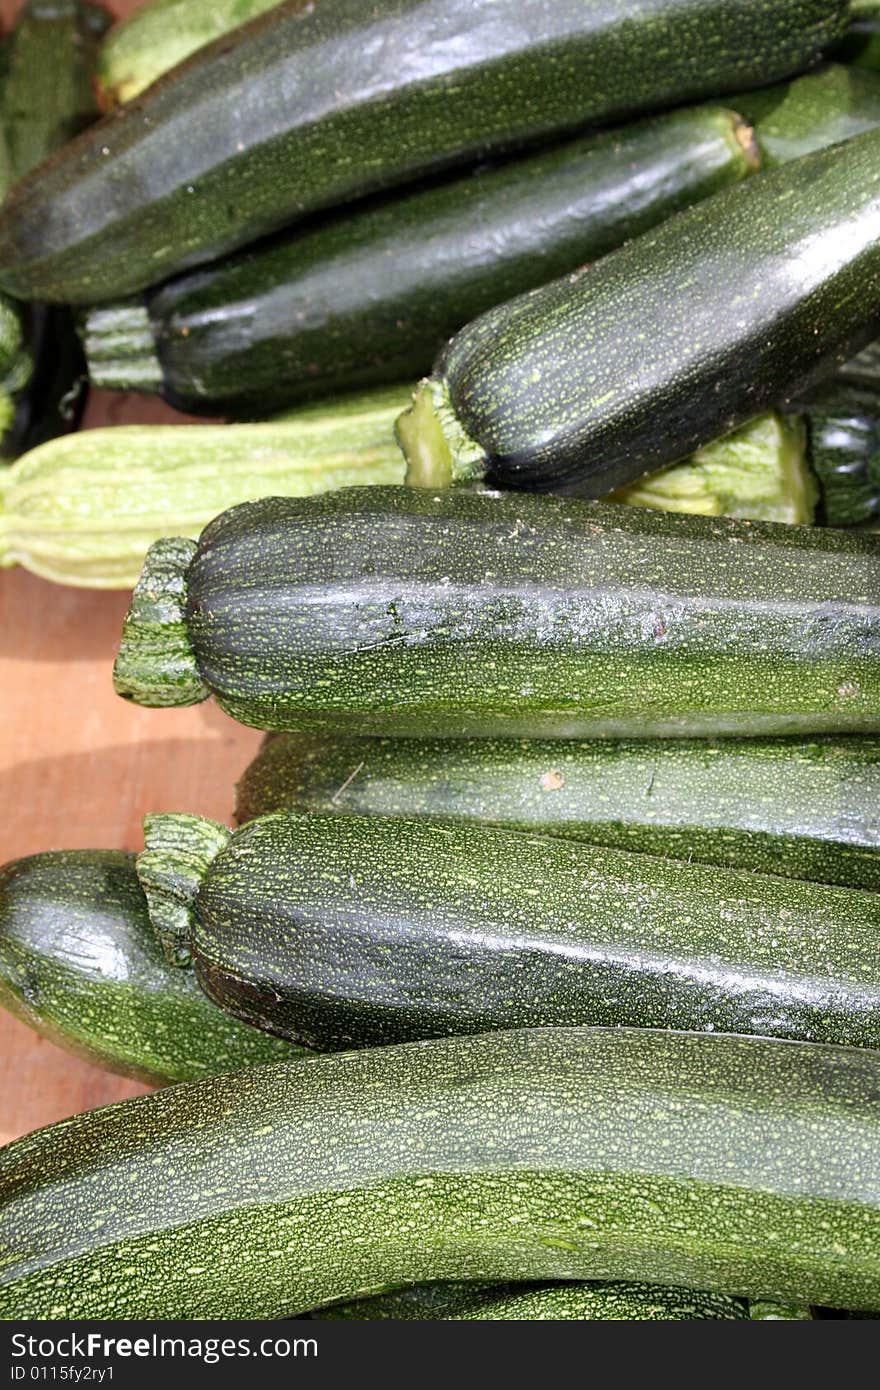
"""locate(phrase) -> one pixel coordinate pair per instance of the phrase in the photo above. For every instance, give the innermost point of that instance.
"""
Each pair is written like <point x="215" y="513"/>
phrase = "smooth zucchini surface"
<point x="745" y="1166"/>
<point x="317" y="929"/>
<point x="718" y="314"/>
<point x="311" y="106"/>
<point x="80" y="963"/>
<point x="791" y="807"/>
<point x="410" y="613"/>
<point x="372" y="294"/>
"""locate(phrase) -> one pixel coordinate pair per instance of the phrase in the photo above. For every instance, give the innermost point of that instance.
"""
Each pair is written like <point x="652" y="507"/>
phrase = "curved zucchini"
<point x="537" y="1302"/>
<point x="798" y="809"/>
<point x="836" y="103"/>
<point x="80" y="963"/>
<point x="308" y="107"/>
<point x="85" y="509"/>
<point x="745" y="1166"/>
<point x="317" y="929"/>
<point x="400" y="611"/>
<point x="371" y="295"/>
<point x="720" y="313"/>
<point x="159" y="35"/>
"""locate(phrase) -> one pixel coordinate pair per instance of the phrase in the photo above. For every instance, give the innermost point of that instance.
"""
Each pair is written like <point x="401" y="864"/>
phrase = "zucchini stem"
<point x="170" y="868"/>
<point x="437" y="449"/>
<point x="156" y="664"/>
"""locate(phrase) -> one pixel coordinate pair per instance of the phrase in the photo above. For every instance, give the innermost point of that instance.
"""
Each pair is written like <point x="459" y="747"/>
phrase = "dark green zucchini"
<point x="47" y="98"/>
<point x="822" y="108"/>
<point x="723" y="311"/>
<point x="745" y="1166"/>
<point x="317" y="929"/>
<point x="582" y="1301"/>
<point x="844" y="434"/>
<point x="80" y="963"/>
<point x="310" y="106"/>
<point x="803" y="810"/>
<point x="371" y="295"/>
<point x="403" y="612"/>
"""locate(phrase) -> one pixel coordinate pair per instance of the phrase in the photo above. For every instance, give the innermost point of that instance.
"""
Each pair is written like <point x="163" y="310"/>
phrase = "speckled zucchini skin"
<point x="80" y="962"/>
<point x="676" y="338"/>
<point x="746" y="1166"/>
<point x="371" y="295"/>
<point x="310" y="106"/>
<point x="539" y="1302"/>
<point x="398" y="611"/>
<point x="320" y="930"/>
<point x="796" y="808"/>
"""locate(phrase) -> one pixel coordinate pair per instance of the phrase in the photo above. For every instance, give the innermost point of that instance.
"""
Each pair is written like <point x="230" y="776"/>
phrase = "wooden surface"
<point x="80" y="767"/>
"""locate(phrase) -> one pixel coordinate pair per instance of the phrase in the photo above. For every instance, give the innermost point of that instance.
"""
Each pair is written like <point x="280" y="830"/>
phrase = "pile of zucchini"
<point x="539" y="978"/>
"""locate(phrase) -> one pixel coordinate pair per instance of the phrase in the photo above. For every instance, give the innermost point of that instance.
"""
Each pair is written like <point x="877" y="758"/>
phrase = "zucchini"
<point x="760" y="471"/>
<point x="85" y="509"/>
<point x="745" y="1166"/>
<point x="80" y="963"/>
<point x="863" y="370"/>
<point x="822" y="108"/>
<point x="306" y="108"/>
<point x="47" y="98"/>
<point x="159" y="35"/>
<point x="47" y="94"/>
<point x="319" y="930"/>
<point x="538" y="1302"/>
<point x="672" y="340"/>
<point x="372" y="294"/>
<point x="802" y="810"/>
<point x="400" y="611"/>
<point x="844" y="429"/>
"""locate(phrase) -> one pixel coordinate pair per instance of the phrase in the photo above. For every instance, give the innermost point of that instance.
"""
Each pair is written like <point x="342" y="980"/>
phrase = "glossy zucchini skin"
<point x="409" y="613"/>
<point x="269" y="139"/>
<point x="674" y="339"/>
<point x="844" y="434"/>
<point x="789" y="807"/>
<point x="819" y="109"/>
<point x="313" y="928"/>
<point x="745" y="1166"/>
<point x="80" y="963"/>
<point x="371" y="295"/>
<point x="539" y="1302"/>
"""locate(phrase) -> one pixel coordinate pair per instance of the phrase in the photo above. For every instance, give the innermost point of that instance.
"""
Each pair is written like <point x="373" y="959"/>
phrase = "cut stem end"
<point x="156" y="664"/>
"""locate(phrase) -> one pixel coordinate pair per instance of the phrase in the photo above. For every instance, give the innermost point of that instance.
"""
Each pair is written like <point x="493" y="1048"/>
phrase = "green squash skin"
<point x="719" y="326"/>
<point x="745" y="1166"/>
<point x="317" y="929"/>
<point x="844" y="434"/>
<point x="371" y="295"/>
<point x="403" y="612"/>
<point x="787" y="807"/>
<point x="262" y="137"/>
<point x="540" y="1302"/>
<point x="795" y="118"/>
<point x="80" y="963"/>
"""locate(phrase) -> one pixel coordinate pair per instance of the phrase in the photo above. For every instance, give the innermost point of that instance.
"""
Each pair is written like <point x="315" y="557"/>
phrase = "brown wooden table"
<point x="80" y="767"/>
